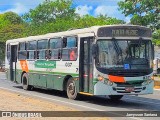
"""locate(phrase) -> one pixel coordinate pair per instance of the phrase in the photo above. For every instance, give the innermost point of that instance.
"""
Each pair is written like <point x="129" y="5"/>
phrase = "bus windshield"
<point x="124" y="54"/>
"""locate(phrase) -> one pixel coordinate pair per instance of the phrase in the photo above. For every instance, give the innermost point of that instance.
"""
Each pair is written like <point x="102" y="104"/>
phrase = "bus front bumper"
<point x="103" y="89"/>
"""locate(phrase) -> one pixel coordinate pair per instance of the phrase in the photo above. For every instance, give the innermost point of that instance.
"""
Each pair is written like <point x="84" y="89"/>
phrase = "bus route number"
<point x="67" y="64"/>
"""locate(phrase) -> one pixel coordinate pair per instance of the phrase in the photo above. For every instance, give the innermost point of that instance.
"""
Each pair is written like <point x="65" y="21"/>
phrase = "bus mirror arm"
<point x="94" y="50"/>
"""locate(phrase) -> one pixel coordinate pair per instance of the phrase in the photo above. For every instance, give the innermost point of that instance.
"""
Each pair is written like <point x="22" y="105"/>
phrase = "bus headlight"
<point x="110" y="83"/>
<point x="100" y="78"/>
<point x="147" y="82"/>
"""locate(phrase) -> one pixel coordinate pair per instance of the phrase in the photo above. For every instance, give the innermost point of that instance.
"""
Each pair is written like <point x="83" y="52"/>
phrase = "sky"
<point x="83" y="7"/>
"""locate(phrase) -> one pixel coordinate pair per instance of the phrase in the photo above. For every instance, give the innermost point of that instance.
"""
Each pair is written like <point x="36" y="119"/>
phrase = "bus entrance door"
<point x="85" y="65"/>
<point x="13" y="62"/>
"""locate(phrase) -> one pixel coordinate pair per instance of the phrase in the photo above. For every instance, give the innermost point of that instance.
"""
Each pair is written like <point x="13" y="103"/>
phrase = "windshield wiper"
<point x="118" y="49"/>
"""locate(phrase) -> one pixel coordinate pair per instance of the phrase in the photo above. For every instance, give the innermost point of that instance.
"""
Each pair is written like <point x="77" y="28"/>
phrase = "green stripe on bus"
<point x="51" y="73"/>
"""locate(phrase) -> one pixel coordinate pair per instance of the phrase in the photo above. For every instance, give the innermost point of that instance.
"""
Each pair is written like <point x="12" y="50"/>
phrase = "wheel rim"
<point x="71" y="89"/>
<point x="24" y="81"/>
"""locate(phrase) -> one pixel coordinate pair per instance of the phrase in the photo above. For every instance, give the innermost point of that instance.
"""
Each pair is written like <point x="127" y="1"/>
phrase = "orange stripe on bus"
<point x="116" y="78"/>
<point x="24" y="65"/>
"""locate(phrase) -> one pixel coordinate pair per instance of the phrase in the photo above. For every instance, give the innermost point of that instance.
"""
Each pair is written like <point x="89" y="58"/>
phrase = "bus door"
<point x="13" y="61"/>
<point x="85" y="65"/>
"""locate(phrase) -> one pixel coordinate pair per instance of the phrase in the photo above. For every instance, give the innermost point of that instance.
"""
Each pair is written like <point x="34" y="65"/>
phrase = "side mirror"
<point x="94" y="50"/>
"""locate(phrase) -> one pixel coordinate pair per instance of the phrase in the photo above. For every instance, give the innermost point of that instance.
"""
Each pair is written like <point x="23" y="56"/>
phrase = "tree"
<point x="142" y="12"/>
<point x="13" y="18"/>
<point x="49" y="11"/>
<point x="156" y="37"/>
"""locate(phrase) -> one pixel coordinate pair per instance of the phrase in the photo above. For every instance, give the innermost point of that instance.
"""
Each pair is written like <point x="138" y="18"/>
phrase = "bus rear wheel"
<point x="115" y="97"/>
<point x="71" y="89"/>
<point x="25" y="82"/>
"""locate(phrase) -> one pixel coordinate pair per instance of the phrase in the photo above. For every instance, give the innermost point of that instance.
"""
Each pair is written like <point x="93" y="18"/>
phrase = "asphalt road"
<point x="149" y="102"/>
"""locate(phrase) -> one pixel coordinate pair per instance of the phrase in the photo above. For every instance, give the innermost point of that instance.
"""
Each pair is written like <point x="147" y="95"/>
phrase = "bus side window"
<point x="8" y="52"/>
<point x="69" y="51"/>
<point x="55" y="46"/>
<point x="42" y="47"/>
<point x="22" y="53"/>
<point x="31" y="49"/>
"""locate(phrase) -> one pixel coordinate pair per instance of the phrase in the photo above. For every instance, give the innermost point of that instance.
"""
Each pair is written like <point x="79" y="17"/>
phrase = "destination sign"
<point x="124" y="31"/>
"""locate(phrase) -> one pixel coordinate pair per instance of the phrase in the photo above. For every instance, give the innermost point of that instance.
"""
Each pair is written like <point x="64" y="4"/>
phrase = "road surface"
<point x="149" y="102"/>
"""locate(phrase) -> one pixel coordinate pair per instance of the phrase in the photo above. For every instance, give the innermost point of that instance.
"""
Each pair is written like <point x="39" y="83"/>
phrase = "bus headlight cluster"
<point x="147" y="78"/>
<point x="104" y="80"/>
<point x="147" y="82"/>
<point x="108" y="82"/>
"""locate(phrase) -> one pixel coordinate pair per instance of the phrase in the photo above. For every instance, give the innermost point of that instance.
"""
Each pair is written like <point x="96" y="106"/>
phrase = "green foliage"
<point x="143" y="12"/>
<point x="49" y="11"/>
<point x="60" y="16"/>
<point x="12" y="17"/>
<point x="156" y="37"/>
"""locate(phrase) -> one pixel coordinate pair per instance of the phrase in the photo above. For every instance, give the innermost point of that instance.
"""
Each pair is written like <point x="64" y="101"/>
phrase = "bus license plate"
<point x="129" y="89"/>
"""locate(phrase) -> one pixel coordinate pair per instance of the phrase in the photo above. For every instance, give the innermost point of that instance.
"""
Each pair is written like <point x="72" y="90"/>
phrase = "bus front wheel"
<point x="71" y="89"/>
<point x="115" y="97"/>
<point x="25" y="82"/>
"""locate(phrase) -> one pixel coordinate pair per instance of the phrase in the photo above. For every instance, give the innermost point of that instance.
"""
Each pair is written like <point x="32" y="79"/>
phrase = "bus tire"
<point x="25" y="82"/>
<point x="71" y="89"/>
<point x="115" y="97"/>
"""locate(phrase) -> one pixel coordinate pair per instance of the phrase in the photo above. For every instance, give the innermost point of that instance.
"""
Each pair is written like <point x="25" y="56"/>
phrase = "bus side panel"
<point x="58" y="82"/>
<point x="18" y="76"/>
<point x="33" y="79"/>
<point x="50" y="81"/>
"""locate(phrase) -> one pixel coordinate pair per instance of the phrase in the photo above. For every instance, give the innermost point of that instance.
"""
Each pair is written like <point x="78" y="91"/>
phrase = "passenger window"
<point x="22" y="46"/>
<point x="42" y="48"/>
<point x="71" y="42"/>
<point x="69" y="51"/>
<point x="31" y="49"/>
<point x="43" y="44"/>
<point x="55" y="48"/>
<point x="8" y="52"/>
<point x="22" y="53"/>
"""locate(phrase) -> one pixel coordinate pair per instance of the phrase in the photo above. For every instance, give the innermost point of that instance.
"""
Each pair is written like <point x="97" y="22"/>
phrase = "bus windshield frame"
<point x="124" y="54"/>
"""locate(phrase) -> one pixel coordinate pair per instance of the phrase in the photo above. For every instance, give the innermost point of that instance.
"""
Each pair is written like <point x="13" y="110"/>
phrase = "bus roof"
<point x="92" y="29"/>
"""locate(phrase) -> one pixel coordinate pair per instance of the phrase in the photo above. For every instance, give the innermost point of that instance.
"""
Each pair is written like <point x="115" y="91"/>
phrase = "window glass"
<point x="70" y="48"/>
<point x="8" y="52"/>
<point x="43" y="44"/>
<point x="123" y="54"/>
<point x="65" y="54"/>
<point x="71" y="42"/>
<point x="73" y="54"/>
<point x="22" y="46"/>
<point x="55" y="43"/>
<point x="22" y="55"/>
<point x="31" y="54"/>
<point x="32" y="45"/>
<point x="41" y="54"/>
<point x="69" y="54"/>
<point x="8" y="47"/>
<point x="8" y="55"/>
<point x="55" y="54"/>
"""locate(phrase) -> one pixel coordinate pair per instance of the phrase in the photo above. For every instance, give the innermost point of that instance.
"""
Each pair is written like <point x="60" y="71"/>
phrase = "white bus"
<point x="112" y="60"/>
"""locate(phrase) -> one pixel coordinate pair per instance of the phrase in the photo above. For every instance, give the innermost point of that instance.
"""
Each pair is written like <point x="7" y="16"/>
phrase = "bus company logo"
<point x="6" y="114"/>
